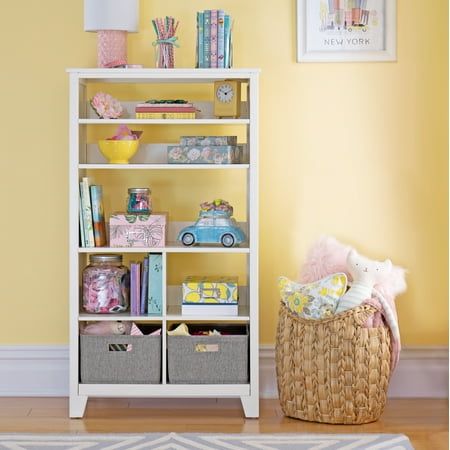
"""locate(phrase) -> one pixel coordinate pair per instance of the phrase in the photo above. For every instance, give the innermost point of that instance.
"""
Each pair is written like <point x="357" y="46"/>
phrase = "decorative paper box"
<point x="208" y="140"/>
<point x="198" y="154"/>
<point x="137" y="230"/>
<point x="210" y="290"/>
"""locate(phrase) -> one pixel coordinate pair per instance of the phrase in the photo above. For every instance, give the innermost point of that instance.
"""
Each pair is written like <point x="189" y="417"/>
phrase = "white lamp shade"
<point x="111" y="15"/>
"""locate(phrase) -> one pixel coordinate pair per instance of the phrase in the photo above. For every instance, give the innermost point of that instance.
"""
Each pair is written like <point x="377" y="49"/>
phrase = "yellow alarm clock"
<point x="227" y="98"/>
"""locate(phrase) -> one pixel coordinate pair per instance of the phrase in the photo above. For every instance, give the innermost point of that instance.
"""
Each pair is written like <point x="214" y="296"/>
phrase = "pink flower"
<point x="106" y="106"/>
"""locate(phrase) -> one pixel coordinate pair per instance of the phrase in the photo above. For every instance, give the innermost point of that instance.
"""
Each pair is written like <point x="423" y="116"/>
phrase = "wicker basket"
<point x="332" y="370"/>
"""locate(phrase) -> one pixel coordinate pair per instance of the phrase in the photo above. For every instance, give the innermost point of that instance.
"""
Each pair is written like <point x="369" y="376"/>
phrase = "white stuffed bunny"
<point x="365" y="273"/>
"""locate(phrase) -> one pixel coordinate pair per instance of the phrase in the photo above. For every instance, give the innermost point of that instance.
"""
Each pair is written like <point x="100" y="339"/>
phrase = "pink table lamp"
<point x="112" y="20"/>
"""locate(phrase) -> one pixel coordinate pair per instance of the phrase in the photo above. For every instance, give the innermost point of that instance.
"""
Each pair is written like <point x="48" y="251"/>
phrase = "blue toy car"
<point x="212" y="227"/>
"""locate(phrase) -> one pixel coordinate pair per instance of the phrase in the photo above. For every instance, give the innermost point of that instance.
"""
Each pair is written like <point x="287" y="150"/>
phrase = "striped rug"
<point x="204" y="441"/>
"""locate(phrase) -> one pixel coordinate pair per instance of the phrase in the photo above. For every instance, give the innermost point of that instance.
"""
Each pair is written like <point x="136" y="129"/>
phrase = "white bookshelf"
<point x="85" y="159"/>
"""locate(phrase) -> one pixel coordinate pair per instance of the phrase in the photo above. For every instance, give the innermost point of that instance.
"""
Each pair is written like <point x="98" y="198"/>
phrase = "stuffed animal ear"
<point x="388" y="265"/>
<point x="352" y="254"/>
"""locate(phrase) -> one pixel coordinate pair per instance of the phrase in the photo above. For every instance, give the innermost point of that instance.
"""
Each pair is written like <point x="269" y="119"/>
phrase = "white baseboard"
<point x="43" y="371"/>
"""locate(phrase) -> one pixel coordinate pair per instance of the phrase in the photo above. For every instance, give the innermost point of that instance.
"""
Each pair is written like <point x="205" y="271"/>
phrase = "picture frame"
<point x="346" y="30"/>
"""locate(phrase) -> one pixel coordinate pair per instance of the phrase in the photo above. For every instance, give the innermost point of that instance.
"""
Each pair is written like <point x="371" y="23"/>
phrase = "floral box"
<point x="208" y="140"/>
<point x="137" y="230"/>
<point x="203" y="154"/>
<point x="208" y="289"/>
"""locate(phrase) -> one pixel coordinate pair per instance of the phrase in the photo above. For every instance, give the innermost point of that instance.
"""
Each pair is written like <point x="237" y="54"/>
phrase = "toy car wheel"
<point x="227" y="240"/>
<point x="188" y="239"/>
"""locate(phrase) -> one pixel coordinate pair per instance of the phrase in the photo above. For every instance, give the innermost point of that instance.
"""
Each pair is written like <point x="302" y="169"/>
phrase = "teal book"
<point x="227" y="41"/>
<point x="200" y="40"/>
<point x="98" y="216"/>
<point x="155" y="284"/>
<point x="221" y="39"/>
<point x="207" y="38"/>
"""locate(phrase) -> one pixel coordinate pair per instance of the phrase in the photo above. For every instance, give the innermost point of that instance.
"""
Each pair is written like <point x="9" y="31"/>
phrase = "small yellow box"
<point x="204" y="289"/>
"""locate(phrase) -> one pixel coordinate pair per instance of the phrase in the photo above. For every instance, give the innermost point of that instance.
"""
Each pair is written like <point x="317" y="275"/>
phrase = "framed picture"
<point x="346" y="30"/>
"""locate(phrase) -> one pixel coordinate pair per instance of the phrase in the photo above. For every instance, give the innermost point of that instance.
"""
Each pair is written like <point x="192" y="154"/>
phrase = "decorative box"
<point x="200" y="154"/>
<point x="210" y="290"/>
<point x="137" y="230"/>
<point x="208" y="140"/>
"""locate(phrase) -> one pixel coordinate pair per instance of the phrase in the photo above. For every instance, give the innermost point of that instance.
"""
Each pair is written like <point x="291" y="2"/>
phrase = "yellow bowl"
<point x="118" y="152"/>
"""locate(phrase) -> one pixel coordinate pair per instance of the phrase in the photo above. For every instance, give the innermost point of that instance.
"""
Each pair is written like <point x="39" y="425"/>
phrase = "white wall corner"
<point x="43" y="371"/>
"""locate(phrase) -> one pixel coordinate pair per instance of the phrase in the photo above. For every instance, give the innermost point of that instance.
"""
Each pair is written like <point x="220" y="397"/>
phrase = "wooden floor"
<point x="424" y="421"/>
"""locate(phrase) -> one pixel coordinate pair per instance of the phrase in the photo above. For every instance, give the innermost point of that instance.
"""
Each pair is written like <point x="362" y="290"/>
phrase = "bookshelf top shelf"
<point x="162" y="75"/>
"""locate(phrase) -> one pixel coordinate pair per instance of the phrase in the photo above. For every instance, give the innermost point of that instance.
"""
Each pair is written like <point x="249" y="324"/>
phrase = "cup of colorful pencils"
<point x="165" y="30"/>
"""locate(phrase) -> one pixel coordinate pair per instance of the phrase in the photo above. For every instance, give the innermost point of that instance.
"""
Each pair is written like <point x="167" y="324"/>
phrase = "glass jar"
<point x="139" y="201"/>
<point x="106" y="284"/>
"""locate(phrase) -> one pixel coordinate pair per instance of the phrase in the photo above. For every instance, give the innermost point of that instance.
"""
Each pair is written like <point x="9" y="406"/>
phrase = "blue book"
<point x="200" y="40"/>
<point x="155" y="283"/>
<point x="144" y="286"/>
<point x="221" y="39"/>
<point x="207" y="38"/>
<point x="227" y="41"/>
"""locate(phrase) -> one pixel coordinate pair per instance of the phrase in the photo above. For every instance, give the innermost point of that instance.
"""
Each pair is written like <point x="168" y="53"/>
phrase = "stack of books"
<point x="162" y="110"/>
<point x="146" y="280"/>
<point x="91" y="215"/>
<point x="214" y="48"/>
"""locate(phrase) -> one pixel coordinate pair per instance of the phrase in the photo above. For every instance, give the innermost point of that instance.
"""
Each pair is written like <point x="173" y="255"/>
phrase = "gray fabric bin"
<point x="208" y="359"/>
<point x="104" y="359"/>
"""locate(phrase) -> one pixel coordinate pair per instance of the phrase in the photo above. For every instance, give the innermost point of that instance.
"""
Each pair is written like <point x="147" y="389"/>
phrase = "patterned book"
<point x="200" y="40"/>
<point x="207" y="38"/>
<point x="87" y="213"/>
<point x="155" y="281"/>
<point x="98" y="216"/>
<point x="214" y="18"/>
<point x="221" y="39"/>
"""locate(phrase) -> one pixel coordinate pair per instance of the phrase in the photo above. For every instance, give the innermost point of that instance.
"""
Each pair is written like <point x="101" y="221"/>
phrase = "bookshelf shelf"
<point x="164" y="121"/>
<point x="86" y="160"/>
<point x="164" y="166"/>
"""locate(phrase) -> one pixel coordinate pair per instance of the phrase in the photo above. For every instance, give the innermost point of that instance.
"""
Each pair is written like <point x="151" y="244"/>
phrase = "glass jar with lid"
<point x="106" y="284"/>
<point x="139" y="201"/>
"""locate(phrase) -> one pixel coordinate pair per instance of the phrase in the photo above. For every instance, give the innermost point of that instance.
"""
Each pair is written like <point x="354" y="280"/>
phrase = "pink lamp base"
<point x="111" y="48"/>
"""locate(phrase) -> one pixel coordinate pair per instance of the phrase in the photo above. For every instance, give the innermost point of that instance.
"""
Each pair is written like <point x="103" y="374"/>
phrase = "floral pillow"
<point x="316" y="300"/>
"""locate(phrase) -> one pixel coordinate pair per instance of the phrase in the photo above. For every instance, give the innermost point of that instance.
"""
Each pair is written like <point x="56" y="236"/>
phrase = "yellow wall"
<point x="355" y="150"/>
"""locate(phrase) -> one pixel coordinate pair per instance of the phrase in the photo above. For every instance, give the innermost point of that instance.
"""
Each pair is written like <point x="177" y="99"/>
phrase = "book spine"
<point x="155" y="269"/>
<point x="226" y="31"/>
<point x="214" y="38"/>
<point x="221" y="39"/>
<point x="87" y="212"/>
<point x="80" y="211"/>
<point x="135" y="288"/>
<point x="200" y="40"/>
<point x="177" y="115"/>
<point x="144" y="286"/>
<point x="206" y="38"/>
<point x="98" y="216"/>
